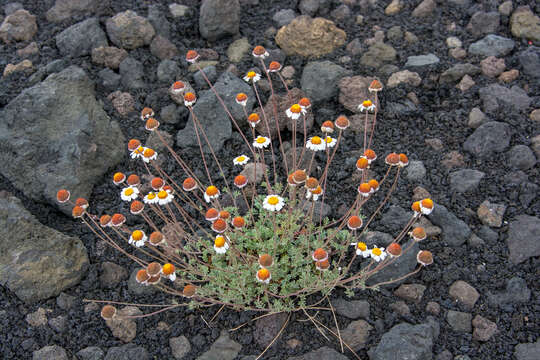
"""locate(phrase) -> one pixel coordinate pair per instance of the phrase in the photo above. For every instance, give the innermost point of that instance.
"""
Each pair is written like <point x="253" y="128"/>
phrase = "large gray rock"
<point x="491" y="137"/>
<point x="528" y="351"/>
<point x="211" y="115"/>
<point x="483" y="23"/>
<point x="421" y="60"/>
<point x="219" y="18"/>
<point x="530" y="61"/>
<point x="525" y="24"/>
<point x="516" y="292"/>
<point x="56" y="135"/>
<point x="406" y="341"/>
<point x="223" y="349"/>
<point x="52" y="352"/>
<point x="523" y="238"/>
<point x="65" y="9"/>
<point x="492" y="45"/>
<point x="457" y="72"/>
<point x="465" y="180"/>
<point x="129" y="30"/>
<point x="455" y="232"/>
<point x="81" y="38"/>
<point x="496" y="98"/>
<point x="36" y="262"/>
<point x="19" y="26"/>
<point x="378" y="54"/>
<point x="320" y="80"/>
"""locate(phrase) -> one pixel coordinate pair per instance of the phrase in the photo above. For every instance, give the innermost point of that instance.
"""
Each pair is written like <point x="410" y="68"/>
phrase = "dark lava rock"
<point x="353" y="309"/>
<point x="496" y="97"/>
<point x="521" y="157"/>
<point x="416" y="171"/>
<point x="483" y="23"/>
<point x="378" y="54"/>
<point x="356" y="334"/>
<point x="81" y="38"/>
<point x="163" y="48"/>
<point x="455" y="232"/>
<point x="213" y="118"/>
<point x="491" y="137"/>
<point x="224" y="348"/>
<point x="421" y="60"/>
<point x="492" y="45"/>
<point x="465" y="180"/>
<point x="108" y="56"/>
<point x="53" y="136"/>
<point x="284" y="17"/>
<point x="111" y="274"/>
<point x="19" y="26"/>
<point x="219" y="18"/>
<point x="132" y="72"/>
<point x="484" y="329"/>
<point x="52" y="261"/>
<point x="211" y="74"/>
<point x="457" y="72"/>
<point x="127" y="352"/>
<point x="406" y="341"/>
<point x="10" y="8"/>
<point x="129" y="30"/>
<point x="320" y="80"/>
<point x="139" y="289"/>
<point x="167" y="71"/>
<point x="411" y="292"/>
<point x="324" y="353"/>
<point x="395" y="218"/>
<point x="523" y="238"/>
<point x="53" y="352"/>
<point x="65" y="9"/>
<point x="65" y="301"/>
<point x="91" y="353"/>
<point x="159" y="21"/>
<point x="459" y="321"/>
<point x="309" y="7"/>
<point x="530" y="351"/>
<point x="109" y="79"/>
<point x="180" y="346"/>
<point x="464" y="293"/>
<point x="267" y="328"/>
<point x="58" y="323"/>
<point x="530" y="61"/>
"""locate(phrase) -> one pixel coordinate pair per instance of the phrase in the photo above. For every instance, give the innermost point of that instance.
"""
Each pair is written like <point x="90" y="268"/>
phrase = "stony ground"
<point x="461" y="98"/>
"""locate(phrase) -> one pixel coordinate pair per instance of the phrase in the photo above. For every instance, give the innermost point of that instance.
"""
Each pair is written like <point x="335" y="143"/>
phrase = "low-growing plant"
<point x="268" y="250"/>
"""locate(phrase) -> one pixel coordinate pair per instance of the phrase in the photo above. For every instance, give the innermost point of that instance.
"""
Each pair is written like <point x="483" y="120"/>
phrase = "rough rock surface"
<point x="525" y="24"/>
<point x="36" y="262"/>
<point x="129" y="30"/>
<point x="19" y="26"/>
<point x="224" y="348"/>
<point x="65" y="9"/>
<point x="219" y="18"/>
<point x="320" y="80"/>
<point x="53" y="136"/>
<point x="491" y="137"/>
<point x="523" y="238"/>
<point x="81" y="38"/>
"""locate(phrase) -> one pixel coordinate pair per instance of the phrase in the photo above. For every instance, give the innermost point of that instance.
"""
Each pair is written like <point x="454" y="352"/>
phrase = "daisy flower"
<point x="295" y="111"/>
<point x="211" y="193"/>
<point x="241" y="160"/>
<point x="315" y="143"/>
<point x="273" y="203"/>
<point x="164" y="197"/>
<point x="252" y="76"/>
<point x="151" y="198"/>
<point x="221" y="244"/>
<point x="366" y="105"/>
<point x="241" y="99"/>
<point x="192" y="56"/>
<point x="375" y="86"/>
<point x="261" y="142"/>
<point x="378" y="254"/>
<point x="189" y="99"/>
<point x="330" y="141"/>
<point x="149" y="154"/>
<point x="138" y="152"/>
<point x="129" y="193"/>
<point x="260" y="52"/>
<point x="362" y="250"/>
<point x="426" y="206"/>
<point x="168" y="271"/>
<point x="253" y="119"/>
<point x="137" y="238"/>
<point x="263" y="275"/>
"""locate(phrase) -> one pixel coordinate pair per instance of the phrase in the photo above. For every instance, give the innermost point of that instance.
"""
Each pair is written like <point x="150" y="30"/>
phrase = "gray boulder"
<point x="129" y="30"/>
<point x="56" y="135"/>
<point x="81" y="38"/>
<point x="36" y="262"/>
<point x="496" y="98"/>
<point x="491" y="137"/>
<point x="492" y="45"/>
<point x="465" y="180"/>
<point x="320" y="80"/>
<point x="523" y="238"/>
<point x="455" y="231"/>
<point x="219" y="18"/>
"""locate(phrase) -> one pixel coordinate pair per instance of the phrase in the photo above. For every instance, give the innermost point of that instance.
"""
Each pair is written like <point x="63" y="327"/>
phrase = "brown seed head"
<point x="142" y="276"/>
<point x="259" y="50"/>
<point x="156" y="238"/>
<point x="219" y="225"/>
<point x="304" y="102"/>
<point x="108" y="312"/>
<point x="392" y="159"/>
<point x="133" y="180"/>
<point x="370" y="154"/>
<point x="105" y="220"/>
<point x="192" y="56"/>
<point x="224" y="214"/>
<point x="362" y="163"/>
<point x="77" y="211"/>
<point x="375" y="85"/>
<point x="238" y="222"/>
<point x="312" y="183"/>
<point x="394" y="249"/>
<point x="342" y="122"/>
<point x="189" y="184"/>
<point x="118" y="220"/>
<point x="327" y="126"/>
<point x="178" y="86"/>
<point x="240" y="181"/>
<point x="157" y="183"/>
<point x="265" y="260"/>
<point x="136" y="207"/>
<point x="322" y="265"/>
<point x="299" y="176"/>
<point x="82" y="202"/>
<point x="418" y="233"/>
<point x="153" y="269"/>
<point x="424" y="257"/>
<point x="354" y="222"/>
<point x="320" y="255"/>
<point x="274" y="66"/>
<point x="133" y="144"/>
<point x="253" y="118"/>
<point x="62" y="196"/>
<point x="151" y="124"/>
<point x="189" y="290"/>
<point x="211" y="214"/>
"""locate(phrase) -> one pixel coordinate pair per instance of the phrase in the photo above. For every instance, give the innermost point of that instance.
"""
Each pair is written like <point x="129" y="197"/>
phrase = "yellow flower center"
<point x="151" y="196"/>
<point x="162" y="194"/>
<point x="139" y="150"/>
<point x="137" y="235"/>
<point x="168" y="269"/>
<point x="148" y="153"/>
<point x="361" y="246"/>
<point x="376" y="251"/>
<point x="220" y="241"/>
<point x="241" y="158"/>
<point x="128" y="192"/>
<point x="211" y="190"/>
<point x="296" y="108"/>
<point x="273" y="200"/>
<point x="251" y="74"/>
<point x="260" y="140"/>
<point x="316" y="140"/>
<point x="328" y="139"/>
<point x="367" y="103"/>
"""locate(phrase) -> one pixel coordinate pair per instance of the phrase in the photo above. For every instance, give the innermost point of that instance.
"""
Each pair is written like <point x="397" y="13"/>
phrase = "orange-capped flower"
<point x="322" y="265"/>
<point x="137" y="238"/>
<point x="118" y="178"/>
<point x="157" y="183"/>
<point x="375" y="86"/>
<point x="219" y="225"/>
<point x="342" y="122"/>
<point x="156" y="238"/>
<point x="153" y="269"/>
<point x="133" y="180"/>
<point x="211" y="214"/>
<point x="105" y="220"/>
<point x="146" y="113"/>
<point x="189" y="184"/>
<point x="304" y="103"/>
<point x="136" y="207"/>
<point x="169" y="271"/>
<point x="151" y="124"/>
<point x="392" y="159"/>
<point x="82" y="202"/>
<point x="142" y="276"/>
<point x="192" y="56"/>
<point x="77" y="211"/>
<point x="290" y="180"/>
<point x="265" y="260"/>
<point x="189" y="290"/>
<point x="374" y="184"/>
<point x="154" y="280"/>
<point x="118" y="220"/>
<point x="312" y="183"/>
<point x="260" y="52"/>
<point x="418" y="234"/>
<point x="370" y="155"/>
<point x="424" y="257"/>
<point x="189" y="99"/>
<point x="238" y="222"/>
<point x="295" y="111"/>
<point x="263" y="275"/>
<point x="394" y="250"/>
<point x="252" y="76"/>
<point x="108" y="312"/>
<point x="224" y="214"/>
<point x="366" y="105"/>
<point x="416" y="207"/>
<point x="149" y="154"/>
<point x="241" y="99"/>
<point x="362" y="164"/>
<point x="221" y="244"/>
<point x="327" y="127"/>
<point x="403" y="160"/>
<point x="240" y="181"/>
<point x="178" y="87"/>
<point x="62" y="196"/>
<point x="354" y="222"/>
<point x="274" y="66"/>
<point x="299" y="176"/>
<point x="364" y="189"/>
<point x="211" y="193"/>
<point x="253" y="119"/>
<point x="319" y="255"/>
<point x="133" y="144"/>
<point x="426" y="206"/>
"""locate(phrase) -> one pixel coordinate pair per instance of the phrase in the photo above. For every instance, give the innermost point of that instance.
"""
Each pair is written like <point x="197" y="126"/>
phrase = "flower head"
<point x="168" y="271"/>
<point x="261" y="142"/>
<point x="137" y="238"/>
<point x="366" y="105"/>
<point x="370" y="155"/>
<point x="426" y="206"/>
<point x="211" y="214"/>
<point x="364" y="189"/>
<point x="274" y="66"/>
<point x="146" y="113"/>
<point x="394" y="250"/>
<point x="192" y="56"/>
<point x="149" y="154"/>
<point x="164" y="197"/>
<point x="342" y="122"/>
<point x="253" y="119"/>
<point x="362" y="250"/>
<point x="240" y="181"/>
<point x="238" y="222"/>
<point x="424" y="257"/>
<point x="119" y="178"/>
<point x="319" y="255"/>
<point x="108" y="312"/>
<point x="219" y="225"/>
<point x="157" y="183"/>
<point x="315" y="193"/>
<point x="178" y="87"/>
<point x="105" y="220"/>
<point x="330" y="141"/>
<point x="403" y="160"/>
<point x="189" y="99"/>
<point x="156" y="238"/>
<point x="224" y="214"/>
<point x="151" y="124"/>
<point x="362" y="164"/>
<point x="82" y="202"/>
<point x="142" y="276"/>
<point x="418" y="234"/>
<point x="374" y="184"/>
<point x="299" y="176"/>
<point x="241" y="160"/>
<point x="117" y="220"/>
<point x="221" y="244"/>
<point x="77" y="211"/>
<point x="211" y="193"/>
<point x="133" y="144"/>
<point x="265" y="260"/>
<point x="189" y="290"/>
<point x="273" y="203"/>
<point x="241" y="99"/>
<point x="136" y="207"/>
<point x="378" y="254"/>
<point x="354" y="222"/>
<point x="252" y="76"/>
<point x="133" y="180"/>
<point x="151" y="198"/>
<point x="295" y="111"/>
<point x="62" y="196"/>
<point x="153" y="269"/>
<point x="260" y="52"/>
<point x="327" y="127"/>
<point x="312" y="183"/>
<point x="322" y="265"/>
<point x="129" y="193"/>
<point x="375" y="86"/>
<point x="304" y="103"/>
<point x="189" y="184"/>
<point x="315" y="143"/>
<point x="392" y="159"/>
<point x="263" y="275"/>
